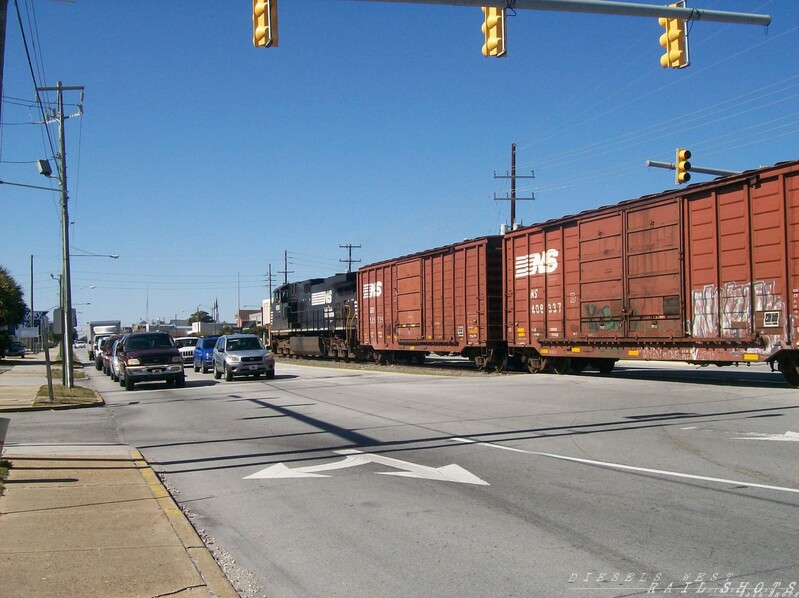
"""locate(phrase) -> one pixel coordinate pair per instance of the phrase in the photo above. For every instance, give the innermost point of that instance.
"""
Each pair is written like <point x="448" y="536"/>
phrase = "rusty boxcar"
<point x="708" y="274"/>
<point x="446" y="300"/>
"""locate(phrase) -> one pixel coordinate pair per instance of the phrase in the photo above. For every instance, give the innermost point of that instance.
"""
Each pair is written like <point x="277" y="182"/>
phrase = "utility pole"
<point x="3" y="15"/>
<point x="267" y="329"/>
<point x="66" y="282"/>
<point x="349" y="261"/>
<point x="33" y="345"/>
<point x="285" y="271"/>
<point x="269" y="278"/>
<point x="512" y="176"/>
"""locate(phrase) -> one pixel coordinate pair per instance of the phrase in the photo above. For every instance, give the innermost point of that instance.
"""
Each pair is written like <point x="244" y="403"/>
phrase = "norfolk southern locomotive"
<point x="317" y="317"/>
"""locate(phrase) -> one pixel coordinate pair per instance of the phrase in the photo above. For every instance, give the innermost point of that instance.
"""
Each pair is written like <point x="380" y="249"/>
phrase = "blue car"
<point x="204" y="353"/>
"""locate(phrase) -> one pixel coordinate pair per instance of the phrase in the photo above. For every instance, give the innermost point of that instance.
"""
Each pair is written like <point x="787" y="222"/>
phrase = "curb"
<point x="208" y="569"/>
<point x="41" y="406"/>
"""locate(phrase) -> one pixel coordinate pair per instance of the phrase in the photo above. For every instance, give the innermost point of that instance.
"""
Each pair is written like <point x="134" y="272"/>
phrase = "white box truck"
<point x="98" y="330"/>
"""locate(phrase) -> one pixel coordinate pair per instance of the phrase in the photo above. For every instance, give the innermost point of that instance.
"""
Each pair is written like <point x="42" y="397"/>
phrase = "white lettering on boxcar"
<point x="372" y="289"/>
<point x="545" y="262"/>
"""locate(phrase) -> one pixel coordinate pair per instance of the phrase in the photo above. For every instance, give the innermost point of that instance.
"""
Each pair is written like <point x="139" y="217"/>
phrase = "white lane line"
<point x="662" y="472"/>
<point x="787" y="437"/>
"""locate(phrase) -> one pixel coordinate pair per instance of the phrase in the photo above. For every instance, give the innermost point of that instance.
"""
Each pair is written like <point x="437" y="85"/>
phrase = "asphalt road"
<point x="350" y="482"/>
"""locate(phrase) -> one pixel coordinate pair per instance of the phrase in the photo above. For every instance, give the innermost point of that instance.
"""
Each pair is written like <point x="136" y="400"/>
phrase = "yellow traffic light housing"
<point x="494" y="31"/>
<point x="674" y="41"/>
<point x="264" y="23"/>
<point x="682" y="166"/>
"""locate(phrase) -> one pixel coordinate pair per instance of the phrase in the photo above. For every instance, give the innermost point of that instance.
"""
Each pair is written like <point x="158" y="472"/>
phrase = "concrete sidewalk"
<point x="21" y="379"/>
<point x="91" y="520"/>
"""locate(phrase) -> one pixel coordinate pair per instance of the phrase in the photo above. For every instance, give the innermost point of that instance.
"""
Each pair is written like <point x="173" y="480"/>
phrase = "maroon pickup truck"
<point x="149" y="357"/>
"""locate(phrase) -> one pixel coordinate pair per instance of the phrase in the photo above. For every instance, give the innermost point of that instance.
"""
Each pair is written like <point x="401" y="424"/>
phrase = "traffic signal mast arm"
<point x="700" y="169"/>
<point x="607" y="8"/>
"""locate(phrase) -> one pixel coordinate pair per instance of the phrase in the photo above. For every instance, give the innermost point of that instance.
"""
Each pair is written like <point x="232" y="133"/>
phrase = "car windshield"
<point x="244" y="344"/>
<point x="209" y="343"/>
<point x="155" y="341"/>
<point x="186" y="342"/>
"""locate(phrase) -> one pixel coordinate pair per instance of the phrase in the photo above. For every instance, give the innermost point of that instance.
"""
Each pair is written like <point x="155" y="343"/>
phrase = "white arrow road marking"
<point x="281" y="471"/>
<point x="447" y="473"/>
<point x="787" y="437"/>
<point x="674" y="474"/>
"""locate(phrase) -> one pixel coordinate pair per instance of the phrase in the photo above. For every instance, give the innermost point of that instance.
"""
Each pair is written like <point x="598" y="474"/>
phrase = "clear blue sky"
<point x="201" y="159"/>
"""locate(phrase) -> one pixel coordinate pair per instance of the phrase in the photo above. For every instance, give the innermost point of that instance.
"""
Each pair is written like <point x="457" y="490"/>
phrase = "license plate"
<point x="252" y="367"/>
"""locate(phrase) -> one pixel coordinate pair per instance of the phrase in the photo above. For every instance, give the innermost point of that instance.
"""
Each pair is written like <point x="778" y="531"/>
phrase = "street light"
<point x="85" y="253"/>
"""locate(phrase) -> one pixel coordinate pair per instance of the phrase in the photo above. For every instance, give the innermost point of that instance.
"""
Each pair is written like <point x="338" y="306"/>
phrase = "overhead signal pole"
<point x="683" y="168"/>
<point x="673" y="19"/>
<point x="630" y="9"/>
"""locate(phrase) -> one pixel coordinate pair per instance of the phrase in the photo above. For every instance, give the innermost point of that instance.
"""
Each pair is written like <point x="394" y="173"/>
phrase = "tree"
<point x="13" y="310"/>
<point x="200" y="316"/>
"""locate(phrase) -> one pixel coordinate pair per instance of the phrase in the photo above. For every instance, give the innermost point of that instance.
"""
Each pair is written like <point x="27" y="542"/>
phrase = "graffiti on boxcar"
<point x="766" y="299"/>
<point x="604" y="318"/>
<point x="730" y="308"/>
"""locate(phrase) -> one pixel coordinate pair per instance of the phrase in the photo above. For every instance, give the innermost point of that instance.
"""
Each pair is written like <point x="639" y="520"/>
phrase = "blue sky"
<point x="200" y="159"/>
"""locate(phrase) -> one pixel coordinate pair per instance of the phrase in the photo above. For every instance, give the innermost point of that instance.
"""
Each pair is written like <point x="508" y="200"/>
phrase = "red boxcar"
<point x="446" y="300"/>
<point x="704" y="274"/>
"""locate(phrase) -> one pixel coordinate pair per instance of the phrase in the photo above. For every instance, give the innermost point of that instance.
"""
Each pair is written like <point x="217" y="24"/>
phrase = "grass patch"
<point x="77" y="373"/>
<point x="63" y="395"/>
<point x="4" y="467"/>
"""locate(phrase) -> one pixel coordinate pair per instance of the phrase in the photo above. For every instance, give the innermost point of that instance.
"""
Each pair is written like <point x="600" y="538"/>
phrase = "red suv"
<point x="149" y="357"/>
<point x="105" y="354"/>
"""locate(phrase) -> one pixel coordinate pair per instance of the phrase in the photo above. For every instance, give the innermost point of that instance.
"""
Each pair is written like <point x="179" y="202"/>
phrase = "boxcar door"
<point x="409" y="292"/>
<point x="602" y="276"/>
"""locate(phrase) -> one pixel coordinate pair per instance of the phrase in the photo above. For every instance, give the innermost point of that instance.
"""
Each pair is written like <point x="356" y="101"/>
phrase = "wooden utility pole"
<point x="66" y="281"/>
<point x="3" y="15"/>
<point x="512" y="176"/>
<point x="285" y="271"/>
<point x="349" y="261"/>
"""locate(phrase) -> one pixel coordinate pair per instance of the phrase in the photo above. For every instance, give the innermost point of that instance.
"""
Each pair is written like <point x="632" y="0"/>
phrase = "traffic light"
<point x="264" y="23"/>
<point x="682" y="166"/>
<point x="674" y="41"/>
<point x="494" y="31"/>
